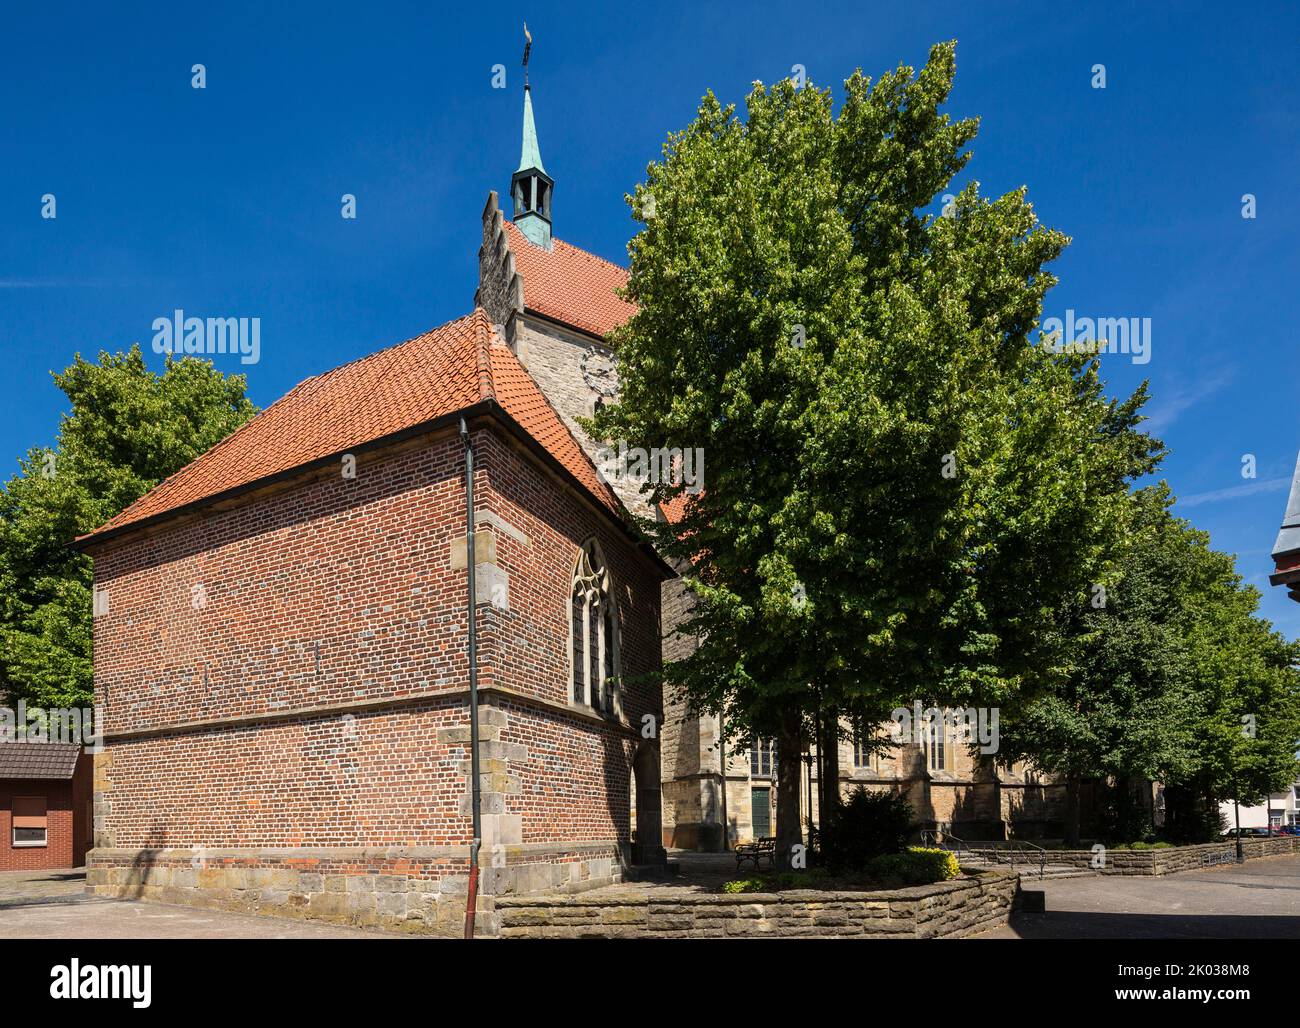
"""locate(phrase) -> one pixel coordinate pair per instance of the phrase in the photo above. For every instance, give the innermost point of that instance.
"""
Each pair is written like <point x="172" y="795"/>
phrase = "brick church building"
<point x="281" y="630"/>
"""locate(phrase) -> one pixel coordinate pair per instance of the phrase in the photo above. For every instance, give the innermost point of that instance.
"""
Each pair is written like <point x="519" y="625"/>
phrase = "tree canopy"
<point x="128" y="428"/>
<point x="1175" y="679"/>
<point x="903" y="487"/>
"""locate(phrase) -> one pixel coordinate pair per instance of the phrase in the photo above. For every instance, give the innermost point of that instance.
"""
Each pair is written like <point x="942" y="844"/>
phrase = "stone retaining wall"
<point x="944" y="910"/>
<point x="1165" y="861"/>
<point x="1189" y="858"/>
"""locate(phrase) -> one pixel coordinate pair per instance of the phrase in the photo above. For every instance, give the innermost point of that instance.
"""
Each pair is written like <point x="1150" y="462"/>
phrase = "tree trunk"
<point x="788" y="762"/>
<point x="1125" y="813"/>
<point x="830" y="746"/>
<point x="1072" y="811"/>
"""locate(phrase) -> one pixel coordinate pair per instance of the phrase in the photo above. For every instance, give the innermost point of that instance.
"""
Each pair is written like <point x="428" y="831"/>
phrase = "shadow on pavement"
<point x="1067" y="924"/>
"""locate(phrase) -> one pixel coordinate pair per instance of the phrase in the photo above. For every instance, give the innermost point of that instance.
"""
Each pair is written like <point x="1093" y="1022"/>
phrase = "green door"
<point x="761" y="811"/>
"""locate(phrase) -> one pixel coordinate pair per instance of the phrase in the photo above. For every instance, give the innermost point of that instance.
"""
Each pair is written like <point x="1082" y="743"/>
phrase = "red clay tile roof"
<point x="431" y="376"/>
<point x="675" y="509"/>
<point x="570" y="285"/>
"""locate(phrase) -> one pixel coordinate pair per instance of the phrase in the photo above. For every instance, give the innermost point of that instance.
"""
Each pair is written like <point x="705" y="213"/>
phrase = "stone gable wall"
<point x="500" y="289"/>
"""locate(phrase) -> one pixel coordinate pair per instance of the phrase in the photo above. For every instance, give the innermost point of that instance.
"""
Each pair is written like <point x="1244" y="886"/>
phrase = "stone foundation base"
<point x="415" y="889"/>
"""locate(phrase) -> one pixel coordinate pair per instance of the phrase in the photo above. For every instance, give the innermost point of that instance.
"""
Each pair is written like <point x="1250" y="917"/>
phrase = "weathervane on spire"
<point x="530" y="186"/>
<point x="528" y="45"/>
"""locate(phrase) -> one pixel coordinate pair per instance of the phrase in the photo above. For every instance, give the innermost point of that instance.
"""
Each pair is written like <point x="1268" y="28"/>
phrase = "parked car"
<point x="1248" y="833"/>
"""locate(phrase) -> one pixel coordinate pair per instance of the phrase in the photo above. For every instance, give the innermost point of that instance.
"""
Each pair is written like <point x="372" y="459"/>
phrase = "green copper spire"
<point x="530" y="186"/>
<point x="530" y="155"/>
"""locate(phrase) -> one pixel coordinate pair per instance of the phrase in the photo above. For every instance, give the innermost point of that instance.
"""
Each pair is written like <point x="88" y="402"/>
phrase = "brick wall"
<point x="310" y="693"/>
<point x="62" y="833"/>
<point x="319" y="595"/>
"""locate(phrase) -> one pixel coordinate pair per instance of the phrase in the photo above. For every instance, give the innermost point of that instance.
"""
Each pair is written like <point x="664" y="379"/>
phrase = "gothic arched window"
<point x="936" y="744"/>
<point x="593" y="628"/>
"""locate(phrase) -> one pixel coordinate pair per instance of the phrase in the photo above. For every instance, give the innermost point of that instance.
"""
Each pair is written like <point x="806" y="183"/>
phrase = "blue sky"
<point x="226" y="201"/>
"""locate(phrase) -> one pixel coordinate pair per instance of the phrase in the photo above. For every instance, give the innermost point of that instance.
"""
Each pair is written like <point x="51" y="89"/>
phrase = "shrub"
<point x="917" y="866"/>
<point x="744" y="885"/>
<point x="809" y="879"/>
<point x="865" y="826"/>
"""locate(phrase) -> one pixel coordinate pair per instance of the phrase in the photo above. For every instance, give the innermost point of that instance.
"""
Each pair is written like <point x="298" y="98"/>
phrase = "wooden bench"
<point x="757" y="851"/>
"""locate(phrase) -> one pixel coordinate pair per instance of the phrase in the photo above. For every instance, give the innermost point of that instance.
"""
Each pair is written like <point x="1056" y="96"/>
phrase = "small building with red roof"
<point x="45" y="805"/>
<point x="281" y="627"/>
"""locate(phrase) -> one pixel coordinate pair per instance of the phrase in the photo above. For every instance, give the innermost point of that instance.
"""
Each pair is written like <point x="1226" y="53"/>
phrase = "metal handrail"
<point x="1011" y="847"/>
<point x="1029" y="848"/>
<point x="934" y="837"/>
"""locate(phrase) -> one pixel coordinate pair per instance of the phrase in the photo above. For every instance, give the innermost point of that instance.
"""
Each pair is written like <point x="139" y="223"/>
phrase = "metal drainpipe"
<point x="472" y="897"/>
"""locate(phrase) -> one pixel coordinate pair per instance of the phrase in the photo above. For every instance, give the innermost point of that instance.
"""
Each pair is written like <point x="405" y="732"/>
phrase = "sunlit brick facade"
<point x="283" y="679"/>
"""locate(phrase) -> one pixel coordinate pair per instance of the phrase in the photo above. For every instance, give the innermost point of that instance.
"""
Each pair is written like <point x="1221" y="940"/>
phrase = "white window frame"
<point x="27" y="844"/>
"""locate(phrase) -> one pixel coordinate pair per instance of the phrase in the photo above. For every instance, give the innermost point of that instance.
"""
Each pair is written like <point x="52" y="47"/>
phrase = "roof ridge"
<point x="594" y="256"/>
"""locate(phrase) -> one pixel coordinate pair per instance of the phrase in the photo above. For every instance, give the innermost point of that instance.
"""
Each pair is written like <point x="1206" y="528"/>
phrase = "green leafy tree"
<point x="902" y="488"/>
<point x="1246" y="704"/>
<point x="1175" y="680"/>
<point x="1124" y="710"/>
<point x="127" y="430"/>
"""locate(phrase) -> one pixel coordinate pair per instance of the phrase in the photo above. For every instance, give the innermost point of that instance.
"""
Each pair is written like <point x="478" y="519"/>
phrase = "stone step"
<point x="1030" y="870"/>
<point x="1066" y="871"/>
